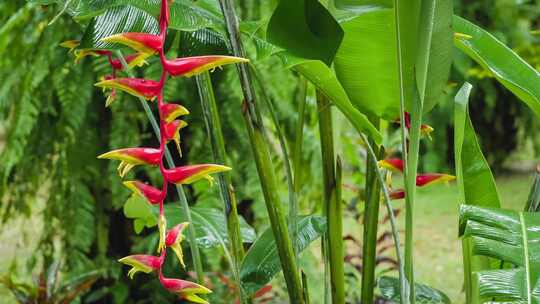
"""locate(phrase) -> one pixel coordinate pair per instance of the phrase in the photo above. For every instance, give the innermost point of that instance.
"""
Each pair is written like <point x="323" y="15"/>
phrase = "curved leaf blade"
<point x="261" y="262"/>
<point x="507" y="67"/>
<point x="325" y="80"/>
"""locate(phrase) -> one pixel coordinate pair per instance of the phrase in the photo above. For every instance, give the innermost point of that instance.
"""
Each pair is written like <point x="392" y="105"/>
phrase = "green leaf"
<point x="209" y="223"/>
<point x="261" y="263"/>
<point x="511" y="237"/>
<point x="186" y="15"/>
<point x="366" y="62"/>
<point x="507" y="67"/>
<point x="325" y="80"/>
<point x="475" y="181"/>
<point x="389" y="288"/>
<point x="117" y="20"/>
<point x="476" y="184"/>
<point x="305" y="29"/>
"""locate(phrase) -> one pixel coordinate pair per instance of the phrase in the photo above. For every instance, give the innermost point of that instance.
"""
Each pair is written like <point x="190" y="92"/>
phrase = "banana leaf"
<point x="389" y="288"/>
<point x="511" y="237"/>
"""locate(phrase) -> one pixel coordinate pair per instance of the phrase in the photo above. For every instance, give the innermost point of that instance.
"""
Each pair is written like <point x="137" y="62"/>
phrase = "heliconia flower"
<point x="193" y="173"/>
<point x="170" y="111"/>
<point x="70" y="44"/>
<point x="141" y="263"/>
<point x="174" y="240"/>
<point x="110" y="98"/>
<point x="133" y="60"/>
<point x="172" y="131"/>
<point x="147" y="89"/>
<point x="152" y="194"/>
<point x="186" y="290"/>
<point x="189" y="66"/>
<point x="162" y="226"/>
<point x="431" y="178"/>
<point x="131" y="157"/>
<point x="392" y="164"/>
<point x="164" y="15"/>
<point x="397" y="194"/>
<point x="141" y="42"/>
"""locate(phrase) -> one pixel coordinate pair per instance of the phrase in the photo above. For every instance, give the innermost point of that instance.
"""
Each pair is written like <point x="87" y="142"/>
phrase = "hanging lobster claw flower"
<point x="186" y="290"/>
<point x="397" y="194"/>
<point x="189" y="66"/>
<point x="170" y="111"/>
<point x="141" y="263"/>
<point x="141" y="42"/>
<point x="162" y="226"/>
<point x="110" y="98"/>
<point x="193" y="173"/>
<point x="152" y="194"/>
<point x="392" y="164"/>
<point x="133" y="60"/>
<point x="432" y="178"/>
<point x="147" y="89"/>
<point x="172" y="131"/>
<point x="174" y="240"/>
<point x="131" y="157"/>
<point x="81" y="53"/>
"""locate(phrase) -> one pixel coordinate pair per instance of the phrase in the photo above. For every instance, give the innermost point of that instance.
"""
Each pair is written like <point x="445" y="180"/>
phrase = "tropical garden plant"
<point x="376" y="69"/>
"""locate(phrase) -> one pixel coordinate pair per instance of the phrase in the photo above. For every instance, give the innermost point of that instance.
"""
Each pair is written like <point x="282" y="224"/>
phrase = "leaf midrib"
<point x="526" y="256"/>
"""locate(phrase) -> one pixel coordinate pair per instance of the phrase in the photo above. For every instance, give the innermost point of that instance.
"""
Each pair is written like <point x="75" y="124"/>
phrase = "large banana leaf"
<point x="366" y="62"/>
<point x="509" y="236"/>
<point x="505" y="65"/>
<point x="261" y="262"/>
<point x="389" y="288"/>
<point x="209" y="223"/>
<point x="305" y="29"/>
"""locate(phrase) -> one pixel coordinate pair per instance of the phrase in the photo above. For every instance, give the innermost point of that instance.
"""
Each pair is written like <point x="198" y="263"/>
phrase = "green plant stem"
<point x="261" y="153"/>
<point x="332" y="200"/>
<point x="371" y="223"/>
<point x="293" y="204"/>
<point x="186" y="214"/>
<point x="213" y="128"/>
<point x="404" y="288"/>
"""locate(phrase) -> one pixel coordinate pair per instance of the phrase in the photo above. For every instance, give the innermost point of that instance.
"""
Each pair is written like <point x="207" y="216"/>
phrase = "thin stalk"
<point x="404" y="287"/>
<point x="410" y="163"/>
<point x="371" y="223"/>
<point x="261" y="153"/>
<point x="186" y="214"/>
<point x="297" y="160"/>
<point x="213" y="128"/>
<point x="332" y="200"/>
<point x="293" y="204"/>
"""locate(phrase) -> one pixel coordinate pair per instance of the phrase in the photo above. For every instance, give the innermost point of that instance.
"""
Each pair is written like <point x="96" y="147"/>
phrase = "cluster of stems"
<point x="169" y="127"/>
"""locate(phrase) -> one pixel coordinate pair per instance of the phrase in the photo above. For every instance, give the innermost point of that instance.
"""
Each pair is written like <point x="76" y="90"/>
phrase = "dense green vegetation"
<point x="313" y="124"/>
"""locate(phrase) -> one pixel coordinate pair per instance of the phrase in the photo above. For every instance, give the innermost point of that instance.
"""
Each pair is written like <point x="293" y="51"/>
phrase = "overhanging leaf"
<point x="325" y="80"/>
<point x="389" y="288"/>
<point x="305" y="29"/>
<point x="261" y="262"/>
<point x="507" y="67"/>
<point x="509" y="236"/>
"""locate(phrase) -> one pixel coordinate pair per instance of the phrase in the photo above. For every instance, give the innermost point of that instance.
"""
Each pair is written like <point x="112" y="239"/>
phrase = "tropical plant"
<point x="359" y="67"/>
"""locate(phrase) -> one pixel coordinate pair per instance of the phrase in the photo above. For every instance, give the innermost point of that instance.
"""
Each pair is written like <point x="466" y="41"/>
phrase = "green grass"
<point x="438" y="261"/>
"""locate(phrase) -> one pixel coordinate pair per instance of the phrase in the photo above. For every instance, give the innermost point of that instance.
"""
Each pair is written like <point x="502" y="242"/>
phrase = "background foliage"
<point x="68" y="205"/>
